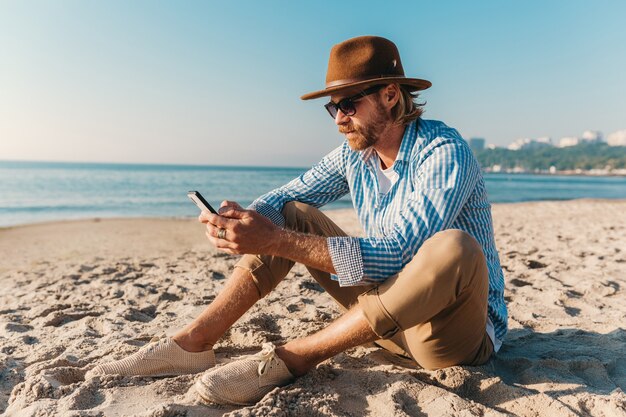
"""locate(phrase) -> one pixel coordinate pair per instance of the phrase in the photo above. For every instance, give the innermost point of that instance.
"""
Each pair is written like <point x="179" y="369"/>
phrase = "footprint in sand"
<point x="30" y="340"/>
<point x="61" y="318"/>
<point x="519" y="282"/>
<point x="49" y="383"/>
<point x="84" y="397"/>
<point x="217" y="275"/>
<point x="311" y="285"/>
<point x="43" y="311"/>
<point x="168" y="296"/>
<point x="572" y="311"/>
<point x="144" y="315"/>
<point x="532" y="264"/>
<point x="17" y="328"/>
<point x="606" y="288"/>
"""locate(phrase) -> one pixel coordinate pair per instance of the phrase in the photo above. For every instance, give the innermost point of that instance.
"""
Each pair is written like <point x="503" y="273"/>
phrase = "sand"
<point x="73" y="294"/>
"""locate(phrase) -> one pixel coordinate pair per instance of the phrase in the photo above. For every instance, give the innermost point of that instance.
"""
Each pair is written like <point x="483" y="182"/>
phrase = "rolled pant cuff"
<point x="261" y="274"/>
<point x="379" y="319"/>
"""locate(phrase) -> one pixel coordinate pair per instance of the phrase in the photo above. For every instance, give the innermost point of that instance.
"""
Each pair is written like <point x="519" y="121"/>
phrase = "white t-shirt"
<point x="386" y="177"/>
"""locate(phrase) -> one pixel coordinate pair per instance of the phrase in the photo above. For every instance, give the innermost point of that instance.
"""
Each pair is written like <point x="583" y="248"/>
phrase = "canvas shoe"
<point x="161" y="357"/>
<point x="246" y="380"/>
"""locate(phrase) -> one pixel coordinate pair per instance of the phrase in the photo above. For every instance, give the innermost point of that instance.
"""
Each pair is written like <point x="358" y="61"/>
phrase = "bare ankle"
<point x="295" y="363"/>
<point x="190" y="343"/>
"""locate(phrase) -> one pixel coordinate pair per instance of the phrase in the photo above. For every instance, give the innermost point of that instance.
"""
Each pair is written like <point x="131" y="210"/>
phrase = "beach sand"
<point x="74" y="294"/>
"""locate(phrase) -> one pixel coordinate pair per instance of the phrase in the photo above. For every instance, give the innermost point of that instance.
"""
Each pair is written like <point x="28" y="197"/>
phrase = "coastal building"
<point x="527" y="143"/>
<point x="589" y="136"/>
<point x="568" y="141"/>
<point x="518" y="144"/>
<point x="592" y="136"/>
<point x="476" y="144"/>
<point x="543" y="141"/>
<point x="617" y="138"/>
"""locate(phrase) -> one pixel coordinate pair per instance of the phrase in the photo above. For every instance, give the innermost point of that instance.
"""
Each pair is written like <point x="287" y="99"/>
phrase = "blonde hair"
<point x="407" y="108"/>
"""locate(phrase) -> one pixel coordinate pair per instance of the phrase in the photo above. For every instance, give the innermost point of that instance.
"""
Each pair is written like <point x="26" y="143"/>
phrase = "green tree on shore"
<point x="584" y="156"/>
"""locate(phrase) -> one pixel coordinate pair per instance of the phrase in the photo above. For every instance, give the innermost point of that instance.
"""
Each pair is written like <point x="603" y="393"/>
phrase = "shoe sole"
<point x="203" y="392"/>
<point x="152" y="375"/>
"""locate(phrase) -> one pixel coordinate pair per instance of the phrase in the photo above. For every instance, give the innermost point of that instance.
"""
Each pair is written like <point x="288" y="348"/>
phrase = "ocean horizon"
<point x="33" y="192"/>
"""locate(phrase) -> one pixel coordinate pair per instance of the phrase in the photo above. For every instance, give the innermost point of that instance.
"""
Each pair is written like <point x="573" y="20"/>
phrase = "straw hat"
<point x="361" y="62"/>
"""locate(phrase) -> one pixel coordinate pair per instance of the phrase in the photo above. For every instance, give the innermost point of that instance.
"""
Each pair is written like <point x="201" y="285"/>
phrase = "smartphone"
<point x="202" y="204"/>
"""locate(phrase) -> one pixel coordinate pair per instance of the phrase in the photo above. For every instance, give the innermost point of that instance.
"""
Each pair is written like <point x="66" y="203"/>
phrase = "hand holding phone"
<point x="202" y="204"/>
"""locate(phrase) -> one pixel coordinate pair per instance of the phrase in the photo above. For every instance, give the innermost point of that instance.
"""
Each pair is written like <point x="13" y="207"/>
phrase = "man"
<point x="425" y="283"/>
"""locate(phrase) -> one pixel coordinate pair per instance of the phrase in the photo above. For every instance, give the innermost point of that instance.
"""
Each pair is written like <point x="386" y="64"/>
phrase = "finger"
<point x="214" y="241"/>
<point x="225" y="244"/>
<point x="213" y="231"/>
<point x="221" y="221"/>
<point x="226" y="205"/>
<point x="229" y="251"/>
<point x="234" y="213"/>
<point x="229" y="203"/>
<point x="222" y="243"/>
<point x="203" y="218"/>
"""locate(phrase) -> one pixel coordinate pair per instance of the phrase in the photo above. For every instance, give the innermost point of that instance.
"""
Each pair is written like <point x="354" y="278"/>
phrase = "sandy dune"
<point x="73" y="294"/>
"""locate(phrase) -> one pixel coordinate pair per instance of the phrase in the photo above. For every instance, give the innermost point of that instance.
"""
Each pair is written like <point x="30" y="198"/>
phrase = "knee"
<point x="447" y="256"/>
<point x="457" y="244"/>
<point x="462" y="258"/>
<point x="294" y="207"/>
<point x="291" y="212"/>
<point x="295" y="210"/>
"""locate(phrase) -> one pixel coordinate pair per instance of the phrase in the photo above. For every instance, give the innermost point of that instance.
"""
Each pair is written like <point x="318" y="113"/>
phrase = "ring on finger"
<point x="221" y="234"/>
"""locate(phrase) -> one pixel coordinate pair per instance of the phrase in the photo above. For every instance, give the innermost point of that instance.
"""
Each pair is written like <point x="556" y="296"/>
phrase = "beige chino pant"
<point x="433" y="311"/>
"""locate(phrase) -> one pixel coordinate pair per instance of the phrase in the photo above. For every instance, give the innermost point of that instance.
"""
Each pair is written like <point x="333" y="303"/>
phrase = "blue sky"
<point x="219" y="82"/>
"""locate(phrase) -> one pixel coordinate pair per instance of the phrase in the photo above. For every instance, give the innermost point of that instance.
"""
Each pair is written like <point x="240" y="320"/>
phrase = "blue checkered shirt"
<point x="439" y="186"/>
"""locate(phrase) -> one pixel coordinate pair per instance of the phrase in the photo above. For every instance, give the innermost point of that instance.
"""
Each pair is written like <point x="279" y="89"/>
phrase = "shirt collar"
<point x="367" y="153"/>
<point x="408" y="141"/>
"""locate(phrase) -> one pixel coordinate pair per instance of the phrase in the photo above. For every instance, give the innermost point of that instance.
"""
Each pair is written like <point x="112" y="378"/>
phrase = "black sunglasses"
<point x="346" y="105"/>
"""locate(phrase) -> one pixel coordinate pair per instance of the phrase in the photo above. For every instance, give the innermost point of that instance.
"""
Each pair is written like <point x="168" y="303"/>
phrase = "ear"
<point x="390" y="95"/>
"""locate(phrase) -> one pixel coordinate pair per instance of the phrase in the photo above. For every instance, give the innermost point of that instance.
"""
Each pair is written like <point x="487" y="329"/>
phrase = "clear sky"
<point x="219" y="82"/>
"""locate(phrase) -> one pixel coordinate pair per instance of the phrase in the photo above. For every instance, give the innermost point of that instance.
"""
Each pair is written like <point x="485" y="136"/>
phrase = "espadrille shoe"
<point x="161" y="357"/>
<point x="245" y="381"/>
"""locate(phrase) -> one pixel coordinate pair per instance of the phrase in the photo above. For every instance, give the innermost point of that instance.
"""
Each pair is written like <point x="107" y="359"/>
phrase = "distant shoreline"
<point x="332" y="212"/>
<point x="567" y="173"/>
<point x="149" y="165"/>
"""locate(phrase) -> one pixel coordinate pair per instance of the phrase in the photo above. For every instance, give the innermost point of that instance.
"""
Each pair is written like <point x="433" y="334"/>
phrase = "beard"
<point x="363" y="136"/>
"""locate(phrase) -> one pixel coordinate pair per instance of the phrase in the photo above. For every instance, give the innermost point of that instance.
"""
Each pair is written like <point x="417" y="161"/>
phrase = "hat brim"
<point x="414" y="84"/>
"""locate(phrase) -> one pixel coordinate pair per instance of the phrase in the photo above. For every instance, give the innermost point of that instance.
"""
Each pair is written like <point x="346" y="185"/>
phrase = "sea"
<point x="33" y="192"/>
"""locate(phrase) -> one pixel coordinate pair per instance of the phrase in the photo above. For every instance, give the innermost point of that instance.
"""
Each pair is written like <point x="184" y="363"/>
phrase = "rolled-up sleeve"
<point x="443" y="183"/>
<point x="324" y="183"/>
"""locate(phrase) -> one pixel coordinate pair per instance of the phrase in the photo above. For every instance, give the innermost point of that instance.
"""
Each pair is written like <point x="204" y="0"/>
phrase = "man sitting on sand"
<point x="425" y="282"/>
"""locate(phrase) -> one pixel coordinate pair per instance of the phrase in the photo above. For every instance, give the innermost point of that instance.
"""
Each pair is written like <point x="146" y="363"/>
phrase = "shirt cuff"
<point x="345" y="253"/>
<point x="268" y="211"/>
